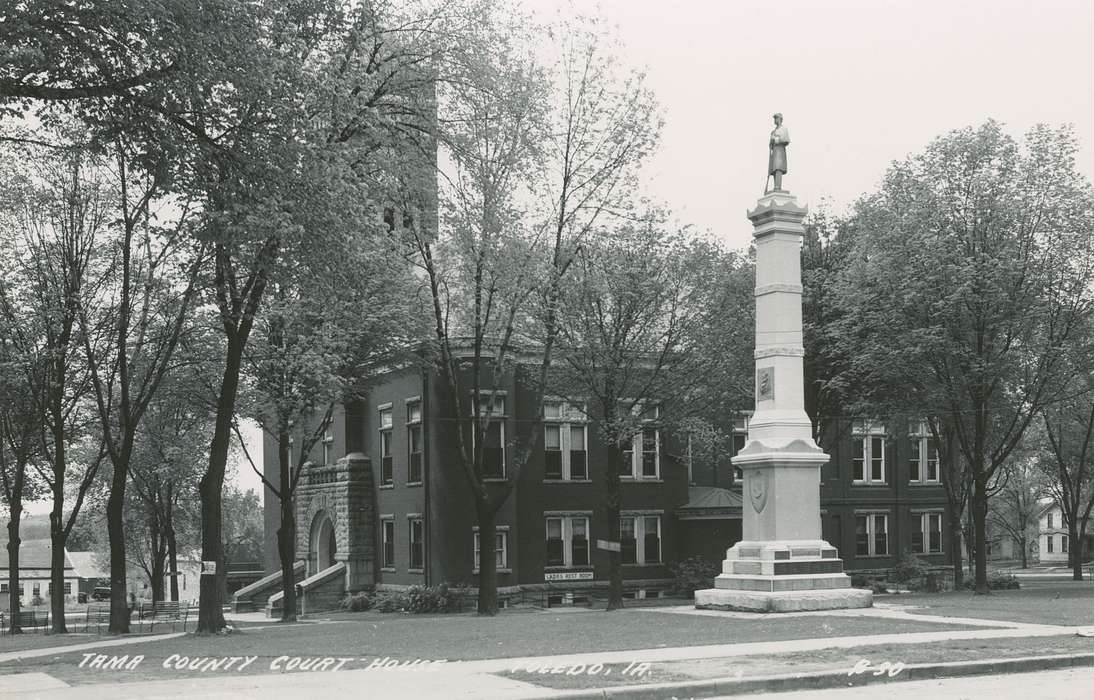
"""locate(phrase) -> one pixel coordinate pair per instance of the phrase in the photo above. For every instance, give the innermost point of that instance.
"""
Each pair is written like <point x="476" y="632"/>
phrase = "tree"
<point x="1017" y="506"/>
<point x="536" y="159"/>
<point x="59" y="211"/>
<point x="1068" y="444"/>
<point x="635" y="301"/>
<point x="972" y="267"/>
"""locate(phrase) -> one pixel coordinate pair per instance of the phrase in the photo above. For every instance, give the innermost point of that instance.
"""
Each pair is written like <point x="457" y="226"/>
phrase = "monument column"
<point x="781" y="564"/>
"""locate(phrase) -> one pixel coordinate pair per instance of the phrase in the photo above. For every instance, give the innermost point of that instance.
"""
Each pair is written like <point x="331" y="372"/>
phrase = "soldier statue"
<point x="776" y="159"/>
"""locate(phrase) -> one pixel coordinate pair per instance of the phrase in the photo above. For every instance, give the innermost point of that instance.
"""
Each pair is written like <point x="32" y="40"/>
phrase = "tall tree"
<point x="60" y="210"/>
<point x="972" y="267"/>
<point x="1017" y="506"/>
<point x="1068" y="442"/>
<point x="629" y="316"/>
<point x="539" y="151"/>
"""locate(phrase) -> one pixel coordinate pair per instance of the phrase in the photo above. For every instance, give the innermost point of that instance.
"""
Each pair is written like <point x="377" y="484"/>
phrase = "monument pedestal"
<point x="782" y="564"/>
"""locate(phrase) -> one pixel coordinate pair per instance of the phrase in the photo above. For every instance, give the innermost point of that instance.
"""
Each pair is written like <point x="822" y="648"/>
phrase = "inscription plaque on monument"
<point x="765" y="383"/>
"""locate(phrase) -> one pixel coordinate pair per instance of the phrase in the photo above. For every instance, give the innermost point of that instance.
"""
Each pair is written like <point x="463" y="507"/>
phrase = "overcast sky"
<point x="859" y="82"/>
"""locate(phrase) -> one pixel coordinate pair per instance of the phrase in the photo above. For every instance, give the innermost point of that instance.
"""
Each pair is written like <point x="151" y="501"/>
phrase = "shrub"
<point x="692" y="574"/>
<point x="996" y="582"/>
<point x="390" y="601"/>
<point x="357" y="602"/>
<point x="908" y="568"/>
<point x="429" y="599"/>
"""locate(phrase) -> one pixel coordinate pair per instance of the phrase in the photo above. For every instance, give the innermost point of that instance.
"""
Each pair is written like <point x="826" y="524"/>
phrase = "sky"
<point x="860" y="83"/>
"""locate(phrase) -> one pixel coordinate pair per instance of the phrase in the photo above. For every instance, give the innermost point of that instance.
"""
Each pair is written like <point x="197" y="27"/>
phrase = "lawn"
<point x="815" y="661"/>
<point x="1067" y="603"/>
<point x="364" y="637"/>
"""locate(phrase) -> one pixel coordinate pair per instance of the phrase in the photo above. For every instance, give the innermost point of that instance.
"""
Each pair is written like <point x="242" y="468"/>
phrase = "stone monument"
<point x="781" y="563"/>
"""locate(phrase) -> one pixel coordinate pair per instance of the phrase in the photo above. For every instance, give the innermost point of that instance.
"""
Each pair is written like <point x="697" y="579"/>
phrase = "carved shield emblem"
<point x="757" y="490"/>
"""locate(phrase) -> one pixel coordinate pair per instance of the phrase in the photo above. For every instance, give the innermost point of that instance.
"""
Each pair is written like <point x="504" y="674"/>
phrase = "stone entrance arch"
<point x="322" y="543"/>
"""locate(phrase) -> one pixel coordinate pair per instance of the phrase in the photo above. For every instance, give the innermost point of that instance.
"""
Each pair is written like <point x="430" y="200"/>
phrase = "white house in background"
<point x="1052" y="540"/>
<point x="34" y="579"/>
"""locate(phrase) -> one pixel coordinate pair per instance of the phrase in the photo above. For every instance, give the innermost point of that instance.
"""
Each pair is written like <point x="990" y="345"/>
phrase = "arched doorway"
<point x="322" y="543"/>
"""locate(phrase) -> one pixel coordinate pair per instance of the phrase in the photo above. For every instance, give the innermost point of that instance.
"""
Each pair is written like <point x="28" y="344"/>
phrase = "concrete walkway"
<point x="477" y="679"/>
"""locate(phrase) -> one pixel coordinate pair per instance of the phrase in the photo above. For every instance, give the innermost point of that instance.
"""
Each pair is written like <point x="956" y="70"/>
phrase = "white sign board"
<point x="610" y="546"/>
<point x="208" y="567"/>
<point x="568" y="576"/>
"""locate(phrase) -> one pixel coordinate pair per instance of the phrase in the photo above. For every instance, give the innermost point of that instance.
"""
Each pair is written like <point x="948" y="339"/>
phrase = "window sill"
<point x="415" y="571"/>
<point x="869" y="483"/>
<point x="505" y="570"/>
<point x="924" y="483"/>
<point x="574" y="567"/>
<point x="388" y="569"/>
<point x="643" y="565"/>
<point x="386" y="486"/>
<point x="641" y="480"/>
<point x="872" y="556"/>
<point x="495" y="479"/>
<point x="567" y="481"/>
<point x="413" y="483"/>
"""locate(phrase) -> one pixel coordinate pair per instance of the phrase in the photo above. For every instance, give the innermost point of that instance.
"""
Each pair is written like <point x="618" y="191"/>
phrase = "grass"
<point x="366" y="636"/>
<point x="814" y="661"/>
<point x="1068" y="603"/>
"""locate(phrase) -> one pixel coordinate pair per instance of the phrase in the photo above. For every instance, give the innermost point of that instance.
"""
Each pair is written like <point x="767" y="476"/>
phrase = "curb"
<point x="828" y="679"/>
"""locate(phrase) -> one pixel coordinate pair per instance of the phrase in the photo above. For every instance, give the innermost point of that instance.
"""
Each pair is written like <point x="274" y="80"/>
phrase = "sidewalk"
<point x="478" y="679"/>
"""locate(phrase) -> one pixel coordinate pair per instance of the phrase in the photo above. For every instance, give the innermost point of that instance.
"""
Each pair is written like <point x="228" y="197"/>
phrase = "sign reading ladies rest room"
<point x="568" y="576"/>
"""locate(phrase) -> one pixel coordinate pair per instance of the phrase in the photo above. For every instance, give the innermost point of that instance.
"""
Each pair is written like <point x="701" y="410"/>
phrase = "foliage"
<point x="998" y="581"/>
<point x="357" y="602"/>
<point x="693" y="574"/>
<point x="971" y="266"/>
<point x="908" y="568"/>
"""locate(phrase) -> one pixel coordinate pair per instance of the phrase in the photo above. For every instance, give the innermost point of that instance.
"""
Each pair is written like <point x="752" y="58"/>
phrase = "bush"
<point x="430" y="599"/>
<point x="357" y="602"/>
<point x="390" y="601"/>
<point x="692" y="574"/>
<point x="996" y="582"/>
<point x="908" y="568"/>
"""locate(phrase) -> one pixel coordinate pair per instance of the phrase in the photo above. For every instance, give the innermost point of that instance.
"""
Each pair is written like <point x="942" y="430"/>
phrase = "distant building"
<point x="1053" y="541"/>
<point x="34" y="572"/>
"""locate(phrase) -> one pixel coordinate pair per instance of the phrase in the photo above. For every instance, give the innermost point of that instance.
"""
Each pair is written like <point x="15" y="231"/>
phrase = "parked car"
<point x="101" y="593"/>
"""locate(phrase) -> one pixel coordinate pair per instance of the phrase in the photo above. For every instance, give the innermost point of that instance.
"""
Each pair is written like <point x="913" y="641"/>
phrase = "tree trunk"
<point x="159" y="559"/>
<point x="953" y="517"/>
<point x="172" y="559"/>
<point x="115" y="527"/>
<point x="57" y="576"/>
<point x="488" y="570"/>
<point x="286" y="534"/>
<point x="1074" y="550"/>
<point x="613" y="504"/>
<point x="980" y="517"/>
<point x="210" y="614"/>
<point x="14" y="585"/>
<point x="1025" y="553"/>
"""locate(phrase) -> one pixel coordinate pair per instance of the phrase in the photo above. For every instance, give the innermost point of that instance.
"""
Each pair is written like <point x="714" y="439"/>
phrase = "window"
<point x="416" y="543"/>
<point x="923" y="457"/>
<point x="37" y="588"/>
<point x="491" y="406"/>
<point x="414" y="441"/>
<point x="1063" y="544"/>
<point x="501" y="549"/>
<point x="68" y="585"/>
<point x="328" y="446"/>
<point x="388" y="541"/>
<point x="640" y="539"/>
<point x="387" y="475"/>
<point x="869" y="453"/>
<point x="1050" y="538"/>
<point x="927" y="533"/>
<point x="871" y="535"/>
<point x="3" y="586"/>
<point x="641" y="458"/>
<point x="564" y="442"/>
<point x="568" y="541"/>
<point x="1050" y="525"/>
